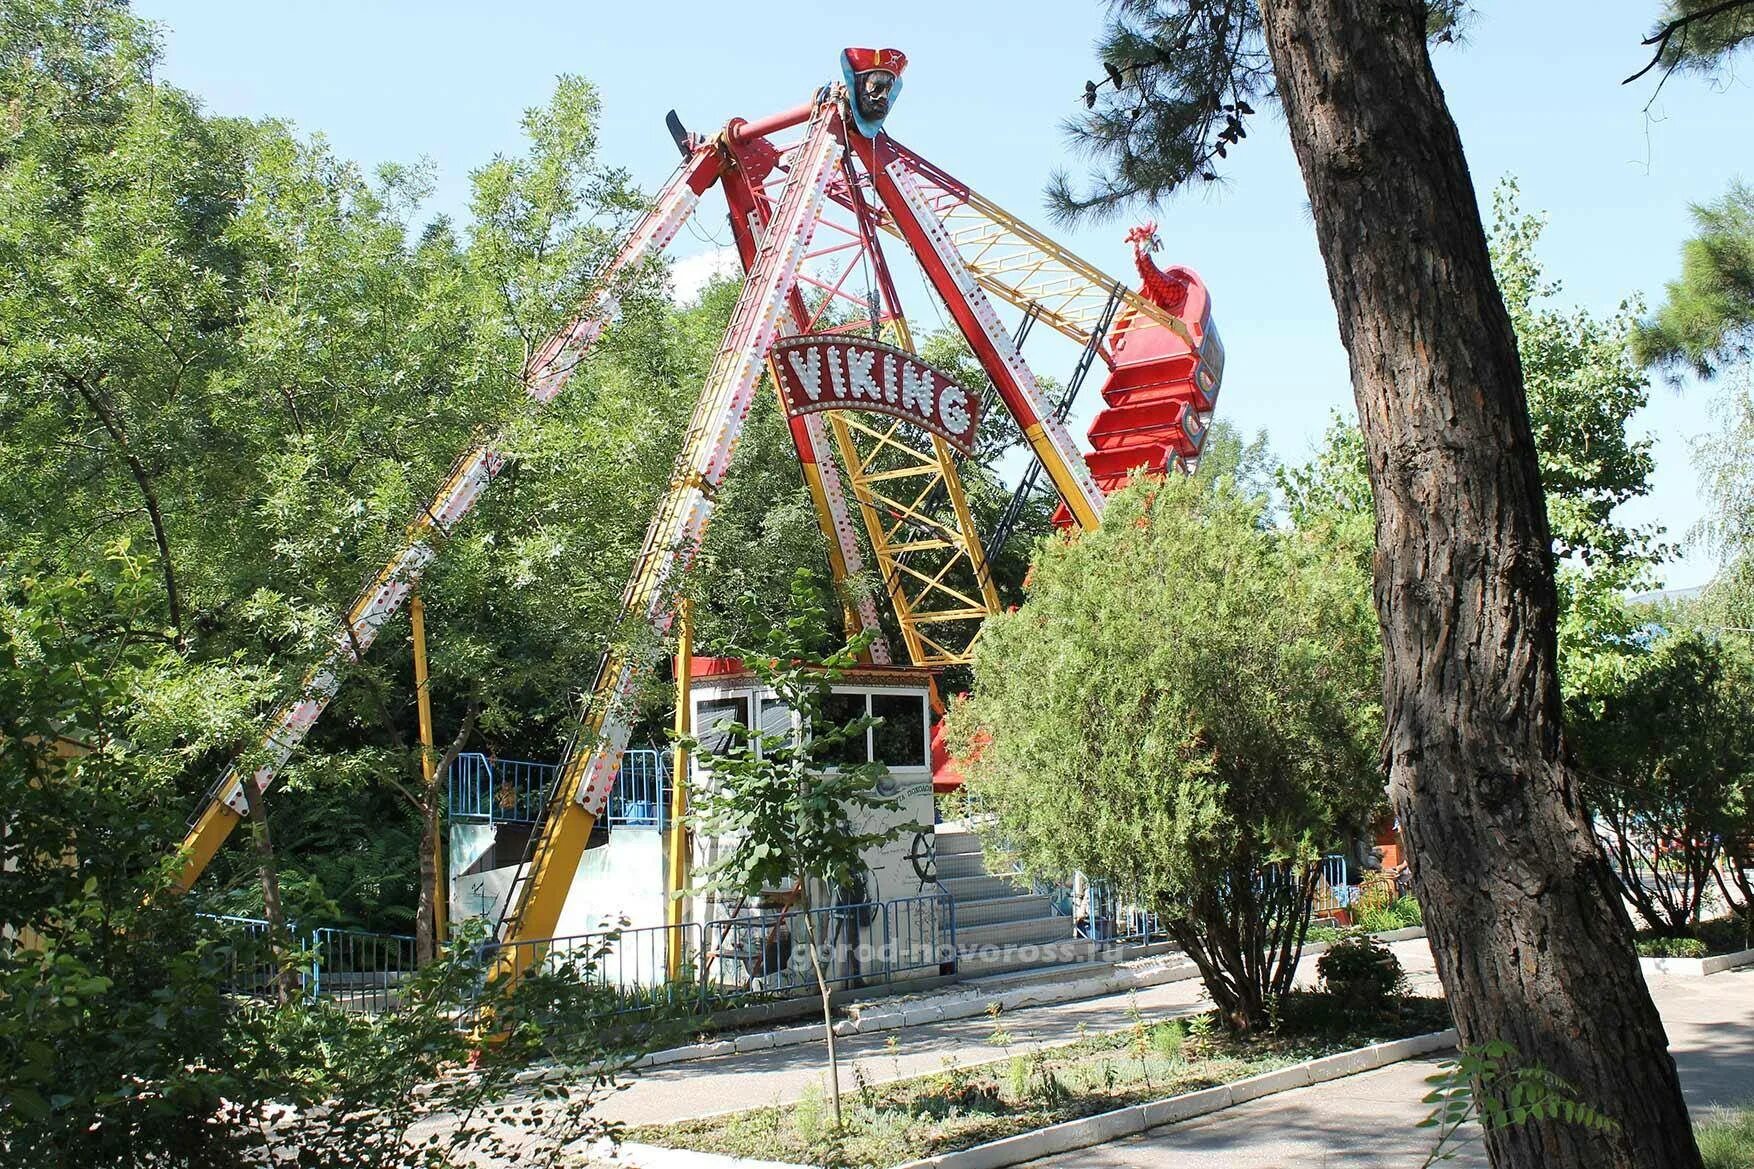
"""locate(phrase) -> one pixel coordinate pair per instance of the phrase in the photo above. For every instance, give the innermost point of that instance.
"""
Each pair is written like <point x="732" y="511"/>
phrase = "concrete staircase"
<point x="1000" y="926"/>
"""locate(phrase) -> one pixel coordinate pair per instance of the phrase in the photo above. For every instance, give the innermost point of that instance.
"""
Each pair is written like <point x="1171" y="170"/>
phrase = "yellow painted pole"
<point x="429" y="763"/>
<point x="676" y="880"/>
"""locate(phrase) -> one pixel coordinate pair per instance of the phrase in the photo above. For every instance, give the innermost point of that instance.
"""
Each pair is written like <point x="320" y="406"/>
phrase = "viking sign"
<point x="849" y="373"/>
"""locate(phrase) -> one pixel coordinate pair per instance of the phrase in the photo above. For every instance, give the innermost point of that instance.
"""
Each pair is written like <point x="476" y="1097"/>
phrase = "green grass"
<point x="1726" y="1138"/>
<point x="959" y="1107"/>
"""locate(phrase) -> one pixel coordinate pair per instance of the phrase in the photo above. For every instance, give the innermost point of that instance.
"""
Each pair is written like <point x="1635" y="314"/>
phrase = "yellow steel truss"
<point x="922" y="535"/>
<point x="1018" y="264"/>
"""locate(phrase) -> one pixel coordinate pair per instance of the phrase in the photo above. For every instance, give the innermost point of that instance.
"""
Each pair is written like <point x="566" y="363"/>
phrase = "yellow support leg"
<point x="1061" y="475"/>
<point x="428" y="762"/>
<point x="203" y="841"/>
<point x="676" y="879"/>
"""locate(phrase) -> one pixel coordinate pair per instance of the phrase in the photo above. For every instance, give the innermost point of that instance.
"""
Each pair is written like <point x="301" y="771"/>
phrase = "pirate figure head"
<point x="873" y="82"/>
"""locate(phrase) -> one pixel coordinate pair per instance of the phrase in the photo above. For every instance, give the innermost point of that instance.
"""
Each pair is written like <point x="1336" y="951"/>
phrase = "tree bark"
<point x="269" y="872"/>
<point x="148" y="494"/>
<point x="1532" y="943"/>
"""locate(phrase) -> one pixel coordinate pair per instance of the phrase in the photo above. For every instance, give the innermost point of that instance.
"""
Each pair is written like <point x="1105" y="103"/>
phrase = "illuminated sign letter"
<point x="953" y="409"/>
<point x="859" y="363"/>
<point x="808" y="371"/>
<point x="917" y="390"/>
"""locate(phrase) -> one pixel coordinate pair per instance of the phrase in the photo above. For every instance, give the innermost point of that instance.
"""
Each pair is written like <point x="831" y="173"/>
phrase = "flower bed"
<point x="960" y="1107"/>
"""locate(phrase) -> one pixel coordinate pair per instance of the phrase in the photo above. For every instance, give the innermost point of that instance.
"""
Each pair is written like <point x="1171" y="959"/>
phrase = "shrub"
<point x="1672" y="948"/>
<point x="1233" y="663"/>
<point x="1396" y="915"/>
<point x="1361" y="972"/>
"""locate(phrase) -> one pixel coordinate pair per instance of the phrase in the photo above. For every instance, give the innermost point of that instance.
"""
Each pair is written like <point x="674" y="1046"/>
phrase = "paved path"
<point x="732" y="1083"/>
<point x="1367" y="1121"/>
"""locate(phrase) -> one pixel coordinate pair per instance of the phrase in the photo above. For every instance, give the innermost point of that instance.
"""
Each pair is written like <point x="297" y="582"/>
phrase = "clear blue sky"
<point x="1535" y="90"/>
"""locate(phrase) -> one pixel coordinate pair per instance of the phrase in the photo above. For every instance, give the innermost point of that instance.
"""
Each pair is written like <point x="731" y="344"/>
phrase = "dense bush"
<point x="1398" y="914"/>
<point x="1665" y="739"/>
<point x="1361" y="972"/>
<point x="1186" y="706"/>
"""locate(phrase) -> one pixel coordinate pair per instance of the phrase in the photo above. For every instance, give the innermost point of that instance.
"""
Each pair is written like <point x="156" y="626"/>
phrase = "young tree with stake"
<point x="789" y="819"/>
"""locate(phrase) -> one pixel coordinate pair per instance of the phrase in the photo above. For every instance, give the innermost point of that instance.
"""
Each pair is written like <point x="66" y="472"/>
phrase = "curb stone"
<point x="1696" y="967"/>
<point x="1103" y="1127"/>
<point x="1138" y="1118"/>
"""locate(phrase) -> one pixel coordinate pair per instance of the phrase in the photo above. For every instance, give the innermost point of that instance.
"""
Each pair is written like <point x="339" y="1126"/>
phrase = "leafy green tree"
<point x="225" y="345"/>
<point x="1706" y="320"/>
<point x="1465" y="589"/>
<point x="791" y="818"/>
<point x="1665" y="741"/>
<point x="1184" y="706"/>
<point x="1584" y="386"/>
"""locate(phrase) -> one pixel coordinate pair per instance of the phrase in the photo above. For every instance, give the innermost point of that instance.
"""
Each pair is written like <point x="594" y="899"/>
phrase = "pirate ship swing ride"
<point x="814" y="194"/>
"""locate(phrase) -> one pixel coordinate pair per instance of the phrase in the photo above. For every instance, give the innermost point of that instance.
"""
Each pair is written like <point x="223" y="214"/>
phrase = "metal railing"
<point x="752" y="956"/>
<point x="1105" y="915"/>
<point x="358" y="970"/>
<point x="1332" y="893"/>
<point x="720" y="963"/>
<point x="514" y="791"/>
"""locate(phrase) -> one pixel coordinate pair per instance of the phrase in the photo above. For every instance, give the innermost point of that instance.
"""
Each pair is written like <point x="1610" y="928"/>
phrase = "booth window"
<point x="837" y="711"/>
<point x="900" y="739"/>
<point x="776" y="720"/>
<point x="713" y="717"/>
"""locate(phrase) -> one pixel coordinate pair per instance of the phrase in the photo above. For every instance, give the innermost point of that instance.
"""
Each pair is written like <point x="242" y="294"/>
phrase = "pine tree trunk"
<point x="1532" y="942"/>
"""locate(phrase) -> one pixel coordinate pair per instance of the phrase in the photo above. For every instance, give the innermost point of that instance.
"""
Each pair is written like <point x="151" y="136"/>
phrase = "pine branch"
<point x="1663" y="35"/>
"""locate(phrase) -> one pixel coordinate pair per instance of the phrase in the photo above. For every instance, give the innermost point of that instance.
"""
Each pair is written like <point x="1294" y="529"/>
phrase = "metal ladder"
<point x="1029" y="485"/>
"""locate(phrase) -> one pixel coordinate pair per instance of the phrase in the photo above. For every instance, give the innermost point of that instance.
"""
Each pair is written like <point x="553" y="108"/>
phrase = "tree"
<point x="128" y="1033"/>
<point x="1531" y="940"/>
<point x="1698" y="36"/>
<point x="1185" y="706"/>
<point x="1665" y="741"/>
<point x="791" y="818"/>
<point x="1707" y="320"/>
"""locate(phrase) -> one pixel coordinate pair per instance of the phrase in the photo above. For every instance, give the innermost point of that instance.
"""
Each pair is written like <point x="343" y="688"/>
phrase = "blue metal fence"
<point x="756" y="955"/>
<point x="359" y="970"/>
<point x="721" y="962"/>
<point x="1108" y="916"/>
<point x="514" y="791"/>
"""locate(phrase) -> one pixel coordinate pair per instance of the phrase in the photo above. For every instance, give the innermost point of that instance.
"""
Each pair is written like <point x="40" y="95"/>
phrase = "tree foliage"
<point x="1665" y="739"/>
<point x="1186" y="706"/>
<point x="1698" y="36"/>
<point x="1706" y="320"/>
<point x="1181" y="79"/>
<point x="227" y="348"/>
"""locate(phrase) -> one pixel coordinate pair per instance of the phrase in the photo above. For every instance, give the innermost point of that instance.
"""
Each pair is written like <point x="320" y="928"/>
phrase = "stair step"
<point x="1032" y="931"/>
<point x="1056" y="956"/>
<point x="956" y="842"/>
<point x="985" y="887"/>
<point x="993" y="910"/>
<point x="962" y="864"/>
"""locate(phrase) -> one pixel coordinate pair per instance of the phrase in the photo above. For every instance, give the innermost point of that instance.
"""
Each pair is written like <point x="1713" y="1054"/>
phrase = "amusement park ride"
<point x="814" y="195"/>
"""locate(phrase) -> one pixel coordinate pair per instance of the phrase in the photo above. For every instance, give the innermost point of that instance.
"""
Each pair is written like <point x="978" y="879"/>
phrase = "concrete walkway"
<point x="1368" y="1121"/>
<point x="732" y="1083"/>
